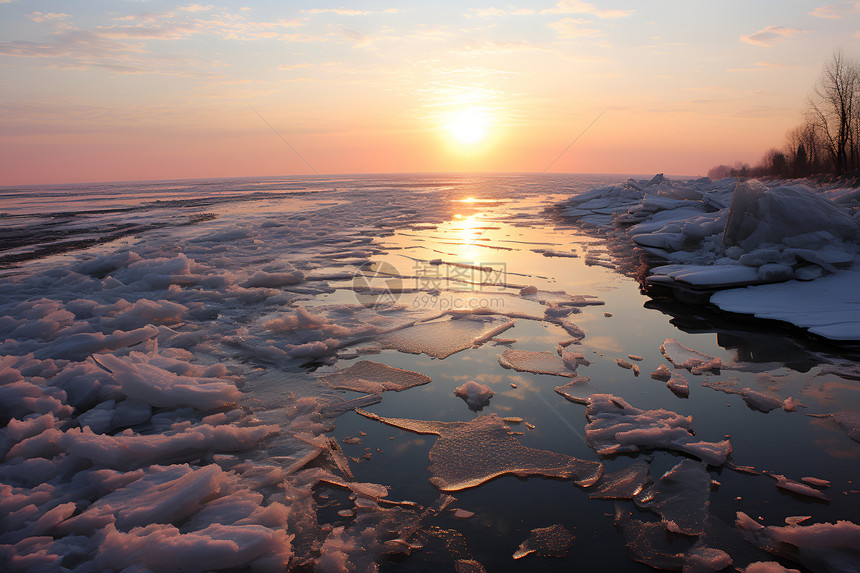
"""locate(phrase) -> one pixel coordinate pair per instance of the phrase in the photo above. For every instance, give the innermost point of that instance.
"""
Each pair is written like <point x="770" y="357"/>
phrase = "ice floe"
<point x="467" y="454"/>
<point x="476" y="395"/>
<point x="616" y="427"/>
<point x="552" y="541"/>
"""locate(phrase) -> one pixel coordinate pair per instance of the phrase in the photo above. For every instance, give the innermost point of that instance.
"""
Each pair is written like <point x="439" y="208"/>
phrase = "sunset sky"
<point x="144" y="89"/>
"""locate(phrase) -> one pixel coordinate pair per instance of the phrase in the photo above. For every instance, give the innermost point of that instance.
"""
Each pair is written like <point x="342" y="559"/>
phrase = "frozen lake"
<point x="130" y="314"/>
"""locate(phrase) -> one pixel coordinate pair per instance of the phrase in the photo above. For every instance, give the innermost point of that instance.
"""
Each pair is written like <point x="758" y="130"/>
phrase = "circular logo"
<point x="377" y="284"/>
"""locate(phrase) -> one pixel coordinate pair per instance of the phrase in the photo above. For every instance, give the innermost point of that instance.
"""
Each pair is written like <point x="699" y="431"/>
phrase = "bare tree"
<point x="834" y="110"/>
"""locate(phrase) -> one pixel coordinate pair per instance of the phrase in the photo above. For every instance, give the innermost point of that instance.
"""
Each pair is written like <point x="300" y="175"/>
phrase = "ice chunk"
<point x="680" y="497"/>
<point x="623" y="484"/>
<point x="755" y="400"/>
<point x="372" y="378"/>
<point x="129" y="450"/>
<point x="552" y="541"/>
<point x="577" y="390"/>
<point x="617" y="427"/>
<point x="468" y="566"/>
<point x="151" y="385"/>
<point x="684" y="357"/>
<point x="662" y="373"/>
<point x="469" y="453"/>
<point x="819" y="546"/>
<point x="783" y="482"/>
<point x="476" y="395"/>
<point x="758" y="215"/>
<point x="703" y="559"/>
<point x="164" y="494"/>
<point x="679" y="385"/>
<point x="545" y="362"/>
<point x="573" y="359"/>
<point x="768" y="567"/>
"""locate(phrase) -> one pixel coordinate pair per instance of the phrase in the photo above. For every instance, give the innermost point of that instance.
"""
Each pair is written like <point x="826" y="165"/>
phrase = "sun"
<point x="469" y="125"/>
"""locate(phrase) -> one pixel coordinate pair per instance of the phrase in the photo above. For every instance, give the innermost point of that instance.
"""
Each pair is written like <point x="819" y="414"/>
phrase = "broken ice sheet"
<point x="470" y="453"/>
<point x="684" y="357"/>
<point x="372" y="378"/>
<point x="849" y="422"/>
<point x="623" y="484"/>
<point x="680" y="497"/>
<point x="755" y="400"/>
<point x="818" y="546"/>
<point x="552" y="541"/>
<point x="440" y="338"/>
<point x="578" y="390"/>
<point x="616" y="427"/>
<point x="535" y="362"/>
<point x="649" y="543"/>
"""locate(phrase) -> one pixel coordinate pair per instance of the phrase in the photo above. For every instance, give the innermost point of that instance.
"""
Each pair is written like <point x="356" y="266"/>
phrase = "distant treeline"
<point x="827" y="142"/>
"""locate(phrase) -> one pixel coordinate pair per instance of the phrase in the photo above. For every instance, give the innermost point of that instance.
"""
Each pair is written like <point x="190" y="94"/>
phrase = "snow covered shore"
<point x="779" y="250"/>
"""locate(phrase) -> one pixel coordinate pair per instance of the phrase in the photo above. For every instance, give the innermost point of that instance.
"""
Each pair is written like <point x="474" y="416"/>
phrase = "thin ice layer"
<point x="578" y="390"/>
<point x="468" y="454"/>
<point x="617" y="427"/>
<point x="684" y="357"/>
<point x="755" y="400"/>
<point x="623" y="484"/>
<point x="680" y="497"/>
<point x="536" y="362"/>
<point x="372" y="378"/>
<point x="552" y="541"/>
<point x="441" y="338"/>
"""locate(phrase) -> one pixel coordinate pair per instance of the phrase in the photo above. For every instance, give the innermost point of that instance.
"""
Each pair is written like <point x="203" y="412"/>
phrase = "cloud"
<point x="480" y="48"/>
<point x="572" y="28"/>
<point x="196" y="8"/>
<point x="577" y="7"/>
<point x="759" y="66"/>
<point x="836" y="11"/>
<point x="47" y="16"/>
<point x="338" y="11"/>
<point x="498" y="12"/>
<point x="771" y="35"/>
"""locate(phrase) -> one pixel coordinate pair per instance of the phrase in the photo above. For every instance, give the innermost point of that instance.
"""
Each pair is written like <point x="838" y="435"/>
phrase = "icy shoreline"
<point x="169" y="402"/>
<point x="778" y="250"/>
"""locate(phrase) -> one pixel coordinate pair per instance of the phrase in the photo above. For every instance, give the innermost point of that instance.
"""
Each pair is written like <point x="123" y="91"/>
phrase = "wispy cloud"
<point x="836" y="11"/>
<point x="578" y="7"/>
<point x="480" y="48"/>
<point x="338" y="11"/>
<point x="498" y="12"/>
<point x="47" y="16"/>
<point x="771" y="35"/>
<point x="196" y="8"/>
<point x="759" y="66"/>
<point x="573" y="28"/>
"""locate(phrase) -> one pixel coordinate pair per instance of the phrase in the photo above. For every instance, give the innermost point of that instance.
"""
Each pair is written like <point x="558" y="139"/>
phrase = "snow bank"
<point x="721" y="234"/>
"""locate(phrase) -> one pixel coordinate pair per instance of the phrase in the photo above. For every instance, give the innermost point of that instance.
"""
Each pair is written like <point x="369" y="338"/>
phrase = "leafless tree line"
<point x="828" y="139"/>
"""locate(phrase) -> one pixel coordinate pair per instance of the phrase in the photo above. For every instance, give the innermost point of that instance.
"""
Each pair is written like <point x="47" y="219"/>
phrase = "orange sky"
<point x="153" y="90"/>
